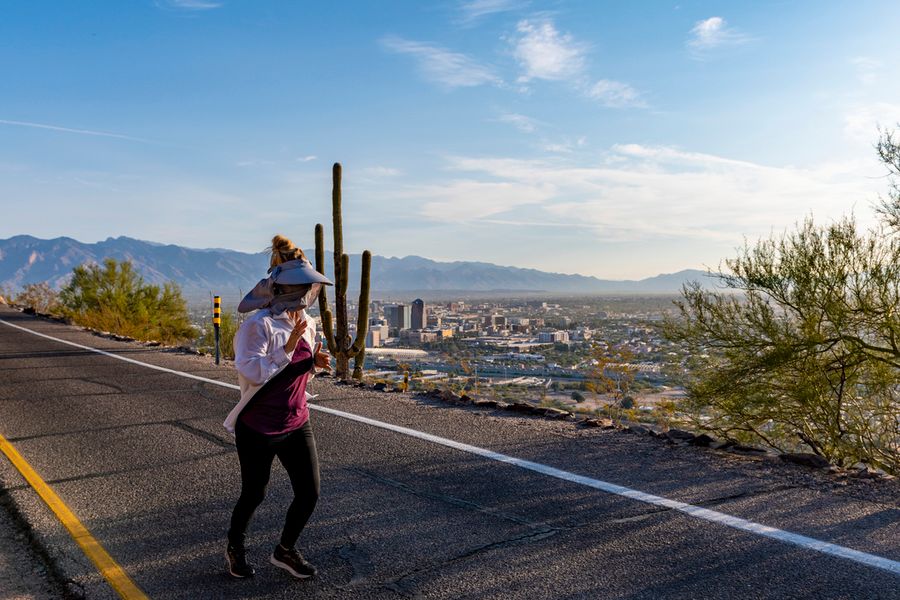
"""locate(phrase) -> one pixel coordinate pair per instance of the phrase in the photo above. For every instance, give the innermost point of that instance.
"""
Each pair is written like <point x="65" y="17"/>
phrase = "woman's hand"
<point x="322" y="359"/>
<point x="295" y="336"/>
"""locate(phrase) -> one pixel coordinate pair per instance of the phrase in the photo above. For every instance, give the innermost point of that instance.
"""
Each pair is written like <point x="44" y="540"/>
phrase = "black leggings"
<point x="297" y="452"/>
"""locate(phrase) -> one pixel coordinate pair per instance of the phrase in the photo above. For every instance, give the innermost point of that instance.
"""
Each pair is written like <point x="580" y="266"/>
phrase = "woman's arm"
<point x="257" y="355"/>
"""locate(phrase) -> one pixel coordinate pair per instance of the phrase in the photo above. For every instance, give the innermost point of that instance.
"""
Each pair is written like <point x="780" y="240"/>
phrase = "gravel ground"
<point x="25" y="572"/>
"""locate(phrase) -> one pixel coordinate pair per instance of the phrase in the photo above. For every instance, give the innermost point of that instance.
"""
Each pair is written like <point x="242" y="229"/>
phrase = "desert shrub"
<point x="39" y="297"/>
<point x="577" y="396"/>
<point x="227" y="330"/>
<point x="114" y="298"/>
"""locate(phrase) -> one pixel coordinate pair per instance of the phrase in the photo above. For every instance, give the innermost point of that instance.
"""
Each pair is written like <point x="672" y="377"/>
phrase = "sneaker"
<point x="237" y="562"/>
<point x="291" y="561"/>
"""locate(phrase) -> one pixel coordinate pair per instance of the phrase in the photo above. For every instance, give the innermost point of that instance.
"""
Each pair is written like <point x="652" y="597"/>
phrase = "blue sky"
<point x="613" y="139"/>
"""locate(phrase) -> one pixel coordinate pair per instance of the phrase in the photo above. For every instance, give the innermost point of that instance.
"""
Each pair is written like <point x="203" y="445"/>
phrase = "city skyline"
<point x="574" y="137"/>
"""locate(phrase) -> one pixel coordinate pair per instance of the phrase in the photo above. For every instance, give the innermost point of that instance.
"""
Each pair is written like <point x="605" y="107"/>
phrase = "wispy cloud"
<point x="867" y="69"/>
<point x="615" y="94"/>
<point x="443" y="67"/>
<point x="380" y="171"/>
<point x="643" y="192"/>
<point x="565" y="146"/>
<point x="545" y="53"/>
<point x="712" y="33"/>
<point x="307" y="158"/>
<point x="861" y="123"/>
<point x="188" y="4"/>
<point x="72" y="130"/>
<point x="474" y="10"/>
<point x="520" y="122"/>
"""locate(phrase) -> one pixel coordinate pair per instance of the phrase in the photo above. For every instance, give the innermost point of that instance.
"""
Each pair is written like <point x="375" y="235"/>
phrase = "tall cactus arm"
<point x="341" y="267"/>
<point x="358" y="362"/>
<point x="328" y="330"/>
<point x="362" y="318"/>
<point x="345" y="267"/>
<point x="324" y="313"/>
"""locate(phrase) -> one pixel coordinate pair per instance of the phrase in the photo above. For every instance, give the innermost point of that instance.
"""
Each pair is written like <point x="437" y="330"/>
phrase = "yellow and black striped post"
<point x="217" y="320"/>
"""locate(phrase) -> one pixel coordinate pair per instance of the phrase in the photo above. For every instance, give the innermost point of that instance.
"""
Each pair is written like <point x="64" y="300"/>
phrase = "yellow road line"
<point x="111" y="571"/>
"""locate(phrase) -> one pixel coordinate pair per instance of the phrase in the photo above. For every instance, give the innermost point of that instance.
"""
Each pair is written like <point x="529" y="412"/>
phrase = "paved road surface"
<point x="141" y="458"/>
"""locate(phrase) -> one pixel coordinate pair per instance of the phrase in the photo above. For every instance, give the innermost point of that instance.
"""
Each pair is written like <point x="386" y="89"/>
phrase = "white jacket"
<point x="259" y="353"/>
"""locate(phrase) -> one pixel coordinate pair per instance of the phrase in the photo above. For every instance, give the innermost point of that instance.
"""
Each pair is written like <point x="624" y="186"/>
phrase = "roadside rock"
<point x="639" y="429"/>
<point x="552" y="413"/>
<point x="703" y="440"/>
<point x="522" y="407"/>
<point x="679" y="436"/>
<point x="598" y="422"/>
<point x="485" y="403"/>
<point x="806" y="459"/>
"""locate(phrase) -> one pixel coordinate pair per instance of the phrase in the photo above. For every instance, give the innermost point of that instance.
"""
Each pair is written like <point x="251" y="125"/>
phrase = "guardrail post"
<point x="217" y="320"/>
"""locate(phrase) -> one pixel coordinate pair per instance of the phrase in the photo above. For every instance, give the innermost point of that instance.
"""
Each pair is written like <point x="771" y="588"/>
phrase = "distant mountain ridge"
<point x="25" y="259"/>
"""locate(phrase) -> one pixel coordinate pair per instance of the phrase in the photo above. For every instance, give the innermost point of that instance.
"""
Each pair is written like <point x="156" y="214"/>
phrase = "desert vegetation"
<point x="806" y="356"/>
<point x="114" y="297"/>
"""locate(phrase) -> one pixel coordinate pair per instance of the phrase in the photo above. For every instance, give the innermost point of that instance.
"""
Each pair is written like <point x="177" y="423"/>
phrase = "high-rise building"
<point x="419" y="317"/>
<point x="399" y="316"/>
<point x="373" y="338"/>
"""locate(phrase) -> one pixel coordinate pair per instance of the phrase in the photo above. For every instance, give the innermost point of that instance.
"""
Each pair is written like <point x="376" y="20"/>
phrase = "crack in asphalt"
<point x="402" y="586"/>
<point x="210" y="437"/>
<point x="454" y="501"/>
<point x="117" y="427"/>
<point x="113" y="473"/>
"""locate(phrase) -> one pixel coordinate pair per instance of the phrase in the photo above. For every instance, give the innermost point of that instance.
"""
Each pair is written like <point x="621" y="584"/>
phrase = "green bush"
<point x="227" y="330"/>
<point x="115" y="298"/>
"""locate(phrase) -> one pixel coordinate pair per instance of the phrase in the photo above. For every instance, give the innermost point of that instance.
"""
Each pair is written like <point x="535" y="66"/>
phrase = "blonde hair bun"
<point x="283" y="250"/>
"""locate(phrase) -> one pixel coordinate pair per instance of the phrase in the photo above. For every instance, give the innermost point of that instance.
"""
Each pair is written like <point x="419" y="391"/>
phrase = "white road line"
<point x="808" y="543"/>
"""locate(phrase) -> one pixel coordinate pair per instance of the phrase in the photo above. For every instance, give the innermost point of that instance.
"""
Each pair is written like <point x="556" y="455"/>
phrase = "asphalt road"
<point x="141" y="458"/>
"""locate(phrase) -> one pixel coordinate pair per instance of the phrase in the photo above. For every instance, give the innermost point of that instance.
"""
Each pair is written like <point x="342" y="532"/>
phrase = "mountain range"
<point x="25" y="259"/>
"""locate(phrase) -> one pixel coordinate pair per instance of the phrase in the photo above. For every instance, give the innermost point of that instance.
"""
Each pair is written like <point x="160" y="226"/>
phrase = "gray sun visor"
<point x="304" y="281"/>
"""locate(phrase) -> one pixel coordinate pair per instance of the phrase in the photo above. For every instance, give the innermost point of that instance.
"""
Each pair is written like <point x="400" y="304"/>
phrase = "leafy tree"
<point x="115" y="298"/>
<point x="40" y="297"/>
<point x="806" y="354"/>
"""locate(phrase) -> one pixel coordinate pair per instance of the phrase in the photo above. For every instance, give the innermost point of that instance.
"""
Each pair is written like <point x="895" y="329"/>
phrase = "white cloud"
<point x="521" y="122"/>
<point x="545" y="53"/>
<point x="474" y="10"/>
<point x="566" y="146"/>
<point x="381" y="172"/>
<point x="466" y="200"/>
<point x="867" y="69"/>
<point x="615" y="94"/>
<point x="641" y="193"/>
<point x="71" y="130"/>
<point x="188" y="4"/>
<point x="441" y="66"/>
<point x="714" y="32"/>
<point x="861" y="123"/>
<point x="307" y="158"/>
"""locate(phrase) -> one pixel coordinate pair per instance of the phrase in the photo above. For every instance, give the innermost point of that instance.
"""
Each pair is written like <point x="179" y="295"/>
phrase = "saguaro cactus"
<point x="337" y="333"/>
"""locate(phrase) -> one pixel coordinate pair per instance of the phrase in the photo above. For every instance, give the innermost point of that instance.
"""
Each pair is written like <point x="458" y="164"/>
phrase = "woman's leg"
<point x="255" y="455"/>
<point x="298" y="455"/>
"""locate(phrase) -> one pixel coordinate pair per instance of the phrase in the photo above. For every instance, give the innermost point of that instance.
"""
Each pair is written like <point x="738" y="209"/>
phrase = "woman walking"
<point x="275" y="356"/>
